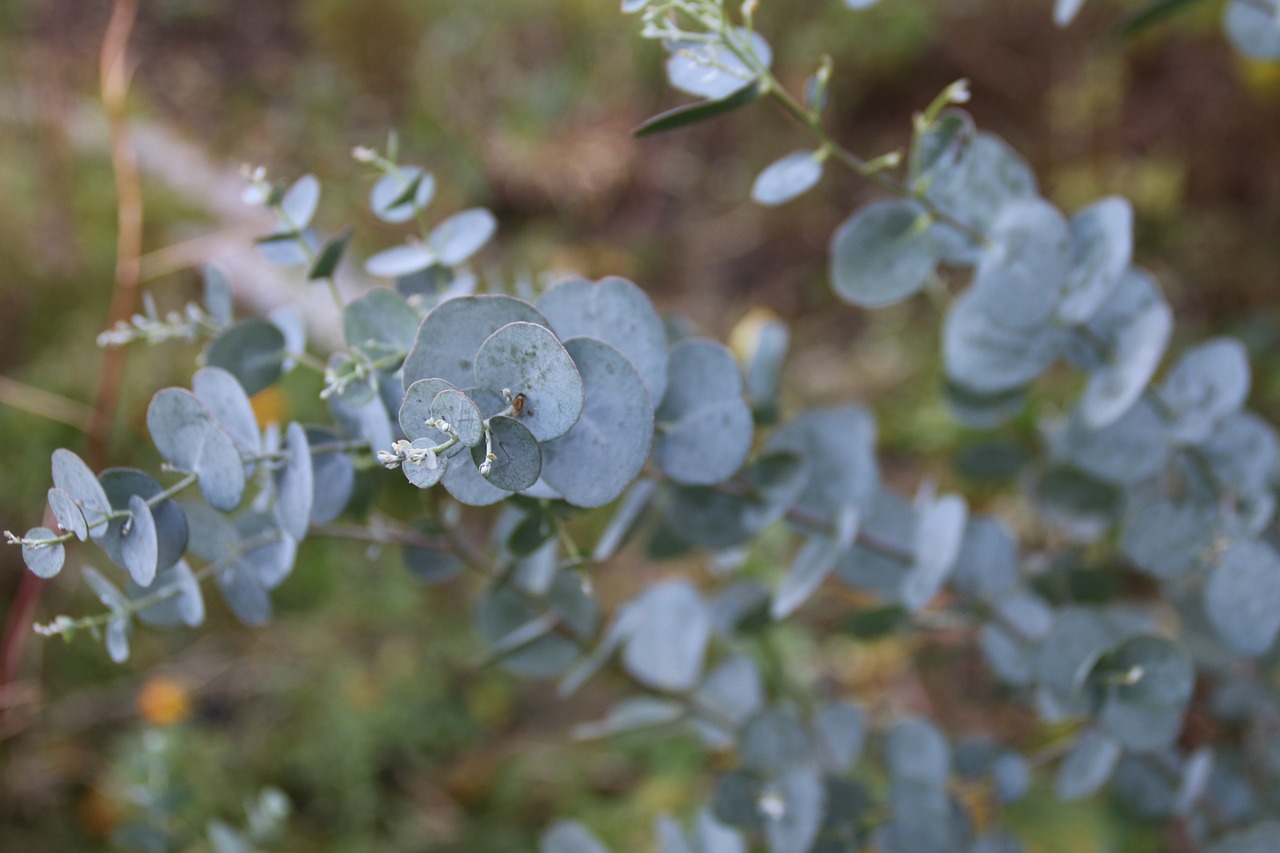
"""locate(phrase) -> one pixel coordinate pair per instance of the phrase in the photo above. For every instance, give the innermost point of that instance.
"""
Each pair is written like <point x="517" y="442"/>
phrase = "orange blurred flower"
<point x="164" y="701"/>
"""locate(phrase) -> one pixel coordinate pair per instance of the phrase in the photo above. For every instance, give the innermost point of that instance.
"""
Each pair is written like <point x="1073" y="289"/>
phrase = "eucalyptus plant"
<point x="580" y="398"/>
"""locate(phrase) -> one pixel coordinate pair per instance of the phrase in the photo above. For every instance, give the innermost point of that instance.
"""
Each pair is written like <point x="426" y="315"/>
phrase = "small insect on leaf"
<point x="517" y="405"/>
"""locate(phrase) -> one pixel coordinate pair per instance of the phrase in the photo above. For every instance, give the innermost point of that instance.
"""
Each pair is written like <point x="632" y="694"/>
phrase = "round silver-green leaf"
<point x="672" y="628"/>
<point x="711" y="70"/>
<point x="68" y="513"/>
<point x="44" y="558"/>
<point x="252" y="350"/>
<point x="838" y="446"/>
<point x="460" y="413"/>
<point x="526" y="358"/>
<point x="74" y="477"/>
<point x="452" y="332"/>
<point x="333" y="476"/>
<point x="167" y="518"/>
<point x="429" y="470"/>
<point x="190" y="439"/>
<point x="462" y="479"/>
<point x="883" y="253"/>
<point x="1208" y="383"/>
<point x="617" y="312"/>
<point x="704" y="426"/>
<point x="400" y="260"/>
<point x="1242" y="597"/>
<point x="519" y="459"/>
<point x="1253" y="26"/>
<point x="295" y="484"/>
<point x="138" y="546"/>
<point x="226" y="400"/>
<point x="1102" y="246"/>
<point x="461" y="235"/>
<point x="299" y="203"/>
<point x="606" y="448"/>
<point x="380" y="324"/>
<point x="787" y="177"/>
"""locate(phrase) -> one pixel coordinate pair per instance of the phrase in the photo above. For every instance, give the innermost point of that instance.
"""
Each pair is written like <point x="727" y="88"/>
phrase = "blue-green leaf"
<point x="519" y="459"/>
<point x="631" y="714"/>
<point x="138" y="546"/>
<point x="1262" y="837"/>
<point x="299" y="203"/>
<point x="1076" y="642"/>
<point x="975" y="188"/>
<point x="333" y="476"/>
<point x="617" y="312"/>
<point x="252" y="351"/>
<point x="883" y="253"/>
<point x="230" y="406"/>
<point x="1065" y="11"/>
<point x="167" y="519"/>
<point x="1129" y="450"/>
<point x="987" y="565"/>
<point x="218" y="299"/>
<point x="399" y="194"/>
<point x="460" y="413"/>
<point x="1102" y="246"/>
<point x="1242" y="596"/>
<point x="184" y="604"/>
<point x="463" y="480"/>
<point x="711" y="70"/>
<point x="1242" y="454"/>
<point x="44" y="558"/>
<point x="68" y="513"/>
<point x="786" y="178"/>
<point x="189" y="438"/>
<point x="916" y="750"/>
<point x="989" y="359"/>
<point x="716" y="519"/>
<point x="1087" y="766"/>
<point x="426" y="472"/>
<point x="74" y="477"/>
<point x="1208" y="383"/>
<point x="838" y="447"/>
<point x="461" y="235"/>
<point x="815" y="560"/>
<point x="793" y="807"/>
<point x="604" y="451"/>
<point x="841" y="731"/>
<point x="704" y="425"/>
<point x="774" y="741"/>
<point x="939" y="532"/>
<point x="1253" y="26"/>
<point x="1138" y="343"/>
<point x="569" y="836"/>
<point x="380" y="324"/>
<point x="404" y="259"/>
<point x="666" y="647"/>
<point x="452" y="332"/>
<point x="1168" y="538"/>
<point x="1145" y="711"/>
<point x="1022" y="273"/>
<point x="295" y="485"/>
<point x="526" y="358"/>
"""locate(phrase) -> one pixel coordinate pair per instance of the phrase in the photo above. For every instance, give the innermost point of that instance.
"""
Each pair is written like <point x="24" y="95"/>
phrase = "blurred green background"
<point x="364" y="701"/>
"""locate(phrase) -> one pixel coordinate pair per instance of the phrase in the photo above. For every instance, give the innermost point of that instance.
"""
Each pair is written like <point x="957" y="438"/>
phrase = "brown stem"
<point x="115" y="74"/>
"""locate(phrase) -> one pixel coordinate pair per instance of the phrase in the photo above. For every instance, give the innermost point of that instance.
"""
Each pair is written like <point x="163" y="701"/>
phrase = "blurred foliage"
<point x="363" y="702"/>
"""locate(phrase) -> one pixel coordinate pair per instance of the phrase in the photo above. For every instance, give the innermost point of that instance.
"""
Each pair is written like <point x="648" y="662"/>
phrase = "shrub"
<point x="580" y="410"/>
